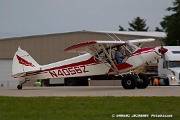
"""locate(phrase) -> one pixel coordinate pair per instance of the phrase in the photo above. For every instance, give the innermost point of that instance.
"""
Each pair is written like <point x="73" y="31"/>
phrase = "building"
<point x="50" y="47"/>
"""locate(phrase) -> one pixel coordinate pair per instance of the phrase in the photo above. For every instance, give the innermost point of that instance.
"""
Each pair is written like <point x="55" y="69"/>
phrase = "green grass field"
<point x="87" y="108"/>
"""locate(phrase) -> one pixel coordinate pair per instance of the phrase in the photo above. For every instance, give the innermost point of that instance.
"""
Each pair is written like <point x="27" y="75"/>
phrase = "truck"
<point x="168" y="67"/>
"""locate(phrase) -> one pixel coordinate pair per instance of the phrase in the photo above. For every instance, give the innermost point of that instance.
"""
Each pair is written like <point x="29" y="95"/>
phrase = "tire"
<point x="45" y="82"/>
<point x="167" y="82"/>
<point x="129" y="82"/>
<point x="19" y="87"/>
<point x="144" y="81"/>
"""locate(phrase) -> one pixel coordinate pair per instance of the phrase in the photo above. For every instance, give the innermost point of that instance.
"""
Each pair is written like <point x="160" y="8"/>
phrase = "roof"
<point x="136" y="33"/>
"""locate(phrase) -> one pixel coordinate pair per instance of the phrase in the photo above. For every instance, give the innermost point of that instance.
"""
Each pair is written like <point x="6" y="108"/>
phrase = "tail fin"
<point x="23" y="62"/>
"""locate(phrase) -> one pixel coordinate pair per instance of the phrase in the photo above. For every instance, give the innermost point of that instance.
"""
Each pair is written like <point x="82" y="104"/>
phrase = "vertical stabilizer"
<point x="23" y="62"/>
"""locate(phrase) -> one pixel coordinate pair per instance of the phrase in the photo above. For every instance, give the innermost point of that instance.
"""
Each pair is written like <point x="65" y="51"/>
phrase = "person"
<point x="37" y="83"/>
<point x="118" y="55"/>
<point x="155" y="82"/>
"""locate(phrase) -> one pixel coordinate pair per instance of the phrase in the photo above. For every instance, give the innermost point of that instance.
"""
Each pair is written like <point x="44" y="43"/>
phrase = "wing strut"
<point x="108" y="56"/>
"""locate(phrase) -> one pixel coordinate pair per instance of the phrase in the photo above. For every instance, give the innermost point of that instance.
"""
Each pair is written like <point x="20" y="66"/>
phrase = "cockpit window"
<point x="126" y="49"/>
<point x="131" y="47"/>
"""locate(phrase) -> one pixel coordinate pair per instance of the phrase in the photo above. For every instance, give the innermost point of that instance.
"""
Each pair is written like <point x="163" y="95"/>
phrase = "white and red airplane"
<point x="98" y="59"/>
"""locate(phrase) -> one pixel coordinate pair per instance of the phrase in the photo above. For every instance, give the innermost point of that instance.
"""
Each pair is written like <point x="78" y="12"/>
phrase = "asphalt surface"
<point x="90" y="91"/>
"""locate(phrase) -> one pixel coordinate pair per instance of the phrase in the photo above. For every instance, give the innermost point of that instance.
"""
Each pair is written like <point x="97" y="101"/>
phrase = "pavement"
<point x="90" y="91"/>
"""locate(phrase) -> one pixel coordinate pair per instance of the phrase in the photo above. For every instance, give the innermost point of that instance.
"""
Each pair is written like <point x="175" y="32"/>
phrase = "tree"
<point x="172" y="24"/>
<point x="158" y="29"/>
<point x="138" y="24"/>
<point x="163" y="26"/>
<point x="121" y="28"/>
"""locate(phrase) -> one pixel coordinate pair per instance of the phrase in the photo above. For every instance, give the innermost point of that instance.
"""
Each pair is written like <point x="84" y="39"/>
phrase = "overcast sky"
<point x="34" y="17"/>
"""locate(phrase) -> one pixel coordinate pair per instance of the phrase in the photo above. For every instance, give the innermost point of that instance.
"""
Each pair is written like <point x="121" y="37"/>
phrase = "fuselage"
<point x="87" y="65"/>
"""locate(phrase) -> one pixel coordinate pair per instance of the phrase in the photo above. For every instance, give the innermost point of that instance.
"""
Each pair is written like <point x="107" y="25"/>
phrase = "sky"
<point x="36" y="17"/>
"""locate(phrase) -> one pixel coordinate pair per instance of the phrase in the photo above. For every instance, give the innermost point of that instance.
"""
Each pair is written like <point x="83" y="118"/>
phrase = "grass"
<point x="87" y="108"/>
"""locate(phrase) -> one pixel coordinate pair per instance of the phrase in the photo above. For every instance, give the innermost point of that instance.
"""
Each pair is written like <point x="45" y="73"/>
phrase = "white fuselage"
<point x="86" y="65"/>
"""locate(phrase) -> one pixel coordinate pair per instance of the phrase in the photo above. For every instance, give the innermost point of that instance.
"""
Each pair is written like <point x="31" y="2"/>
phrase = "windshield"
<point x="173" y="64"/>
<point x="131" y="46"/>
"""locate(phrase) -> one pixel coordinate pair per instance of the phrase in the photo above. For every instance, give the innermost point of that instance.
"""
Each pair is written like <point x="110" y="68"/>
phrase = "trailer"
<point x="74" y="81"/>
<point x="77" y="81"/>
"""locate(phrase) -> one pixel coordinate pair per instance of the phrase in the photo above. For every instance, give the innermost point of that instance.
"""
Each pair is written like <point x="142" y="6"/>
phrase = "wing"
<point x="92" y="46"/>
<point x="141" y="41"/>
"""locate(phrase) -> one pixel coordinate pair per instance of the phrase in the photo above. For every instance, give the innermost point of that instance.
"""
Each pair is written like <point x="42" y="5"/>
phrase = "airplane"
<point x="96" y="58"/>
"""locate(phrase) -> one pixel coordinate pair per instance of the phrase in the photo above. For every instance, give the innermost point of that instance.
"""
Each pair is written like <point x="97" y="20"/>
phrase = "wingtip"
<point x="151" y="39"/>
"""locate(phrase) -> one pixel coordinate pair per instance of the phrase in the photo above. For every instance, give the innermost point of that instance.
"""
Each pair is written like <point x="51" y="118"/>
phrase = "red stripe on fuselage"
<point x="144" y="50"/>
<point x="28" y="74"/>
<point x="86" y="62"/>
<point x="121" y="66"/>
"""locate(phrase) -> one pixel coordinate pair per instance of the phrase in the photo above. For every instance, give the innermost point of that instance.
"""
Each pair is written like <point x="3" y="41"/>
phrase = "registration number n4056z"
<point x="68" y="71"/>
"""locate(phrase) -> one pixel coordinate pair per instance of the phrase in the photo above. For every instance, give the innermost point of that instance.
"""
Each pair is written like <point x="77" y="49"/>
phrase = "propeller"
<point x="162" y="50"/>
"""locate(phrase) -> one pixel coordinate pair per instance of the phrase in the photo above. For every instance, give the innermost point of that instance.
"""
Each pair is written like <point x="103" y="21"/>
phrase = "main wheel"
<point x="19" y="87"/>
<point x="143" y="82"/>
<point x="129" y="82"/>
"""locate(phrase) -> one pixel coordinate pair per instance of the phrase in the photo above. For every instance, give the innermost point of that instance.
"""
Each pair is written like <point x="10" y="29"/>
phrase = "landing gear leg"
<point x="20" y="86"/>
<point x="143" y="81"/>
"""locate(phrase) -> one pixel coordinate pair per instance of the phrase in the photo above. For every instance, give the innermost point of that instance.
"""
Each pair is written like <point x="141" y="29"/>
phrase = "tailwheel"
<point x="19" y="87"/>
<point x="129" y="81"/>
<point x="143" y="81"/>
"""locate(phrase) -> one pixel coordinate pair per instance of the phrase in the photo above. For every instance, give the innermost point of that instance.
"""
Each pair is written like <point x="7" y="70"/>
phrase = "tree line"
<point x="170" y="24"/>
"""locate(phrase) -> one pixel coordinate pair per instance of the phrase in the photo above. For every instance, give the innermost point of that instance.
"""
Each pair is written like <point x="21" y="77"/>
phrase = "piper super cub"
<point x="98" y="58"/>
